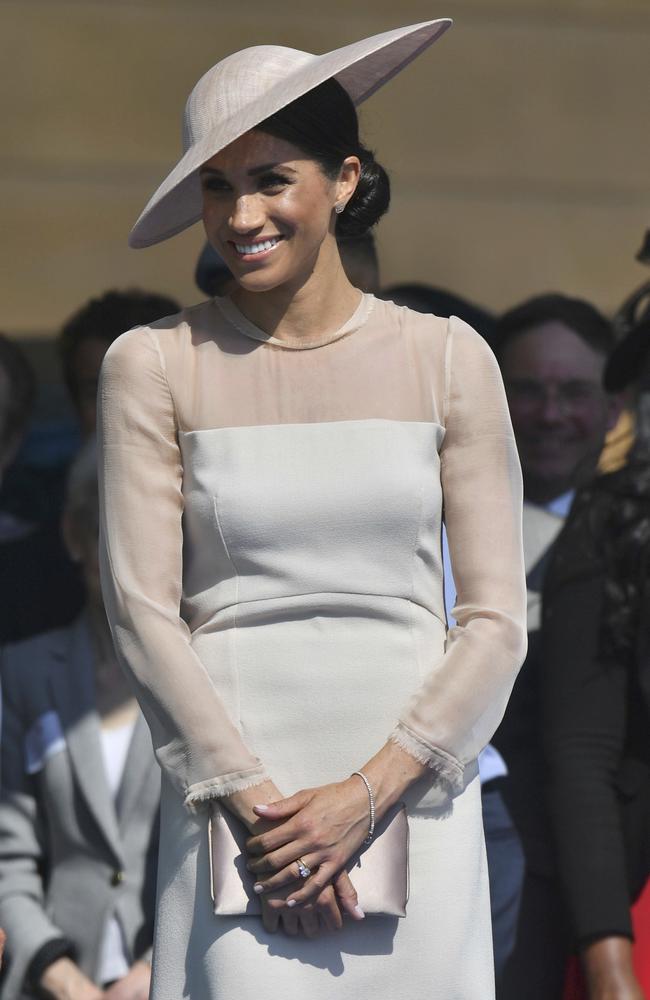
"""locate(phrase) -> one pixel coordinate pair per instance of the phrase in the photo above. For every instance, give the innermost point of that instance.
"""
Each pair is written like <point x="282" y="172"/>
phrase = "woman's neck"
<point x="312" y="307"/>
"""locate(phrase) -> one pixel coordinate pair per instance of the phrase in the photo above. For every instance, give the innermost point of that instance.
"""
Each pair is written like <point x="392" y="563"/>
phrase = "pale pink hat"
<point x="246" y="88"/>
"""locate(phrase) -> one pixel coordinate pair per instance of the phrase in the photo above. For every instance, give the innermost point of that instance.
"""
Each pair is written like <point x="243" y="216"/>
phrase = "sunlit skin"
<point x="560" y="412"/>
<point x="261" y="188"/>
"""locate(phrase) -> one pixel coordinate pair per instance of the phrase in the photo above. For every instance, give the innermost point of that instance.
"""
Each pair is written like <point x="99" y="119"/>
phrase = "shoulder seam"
<point x="156" y="345"/>
<point x="163" y="369"/>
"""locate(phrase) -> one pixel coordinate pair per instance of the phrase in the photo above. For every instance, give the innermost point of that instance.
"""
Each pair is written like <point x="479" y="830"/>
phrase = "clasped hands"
<point x="323" y="827"/>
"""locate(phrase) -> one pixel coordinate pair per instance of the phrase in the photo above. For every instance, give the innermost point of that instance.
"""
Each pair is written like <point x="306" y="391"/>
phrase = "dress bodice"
<point x="264" y="497"/>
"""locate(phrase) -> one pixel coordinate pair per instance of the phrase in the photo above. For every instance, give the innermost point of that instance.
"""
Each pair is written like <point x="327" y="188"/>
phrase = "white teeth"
<point x="256" y="247"/>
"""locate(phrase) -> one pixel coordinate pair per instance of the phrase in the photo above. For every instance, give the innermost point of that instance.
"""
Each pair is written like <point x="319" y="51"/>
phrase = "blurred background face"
<point x="88" y="333"/>
<point x="560" y="413"/>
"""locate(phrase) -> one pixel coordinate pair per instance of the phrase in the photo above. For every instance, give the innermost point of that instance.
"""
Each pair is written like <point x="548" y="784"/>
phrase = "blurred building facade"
<point x="518" y="146"/>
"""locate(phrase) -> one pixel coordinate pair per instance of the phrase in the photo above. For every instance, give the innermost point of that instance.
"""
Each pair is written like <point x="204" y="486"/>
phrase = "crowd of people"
<point x="566" y="781"/>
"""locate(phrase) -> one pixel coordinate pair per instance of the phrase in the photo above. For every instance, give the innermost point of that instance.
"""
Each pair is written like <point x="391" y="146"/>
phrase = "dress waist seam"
<point x="238" y="606"/>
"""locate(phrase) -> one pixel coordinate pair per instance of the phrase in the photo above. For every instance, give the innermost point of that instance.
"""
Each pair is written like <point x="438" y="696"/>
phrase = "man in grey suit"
<point x="79" y="804"/>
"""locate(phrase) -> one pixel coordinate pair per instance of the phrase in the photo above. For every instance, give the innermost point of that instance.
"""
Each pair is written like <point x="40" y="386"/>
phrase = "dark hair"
<point x="16" y="409"/>
<point x="581" y="317"/>
<point x="212" y="274"/>
<point x="630" y="360"/>
<point x="323" y="123"/>
<point x="105" y="318"/>
<point x="440" y="302"/>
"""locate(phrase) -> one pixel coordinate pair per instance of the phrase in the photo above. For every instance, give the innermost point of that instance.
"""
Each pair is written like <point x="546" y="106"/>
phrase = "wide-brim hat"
<point x="249" y="86"/>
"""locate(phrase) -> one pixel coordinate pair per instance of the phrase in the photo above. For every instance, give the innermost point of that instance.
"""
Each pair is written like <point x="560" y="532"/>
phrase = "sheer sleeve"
<point x="462" y="699"/>
<point x="195" y="741"/>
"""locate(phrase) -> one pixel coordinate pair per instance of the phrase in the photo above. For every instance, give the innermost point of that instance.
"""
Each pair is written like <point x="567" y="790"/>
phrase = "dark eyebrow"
<point x="254" y="171"/>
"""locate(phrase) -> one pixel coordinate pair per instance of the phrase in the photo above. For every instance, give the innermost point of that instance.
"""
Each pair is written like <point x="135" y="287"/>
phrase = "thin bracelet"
<point x="372" y="806"/>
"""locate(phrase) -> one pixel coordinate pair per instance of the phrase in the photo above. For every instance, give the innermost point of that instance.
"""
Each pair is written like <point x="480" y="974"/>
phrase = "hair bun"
<point x="369" y="201"/>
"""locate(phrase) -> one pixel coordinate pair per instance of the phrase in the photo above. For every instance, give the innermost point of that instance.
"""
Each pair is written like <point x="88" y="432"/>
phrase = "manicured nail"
<point x="359" y="911"/>
<point x="261" y="809"/>
<point x="291" y="902"/>
<point x="258" y="887"/>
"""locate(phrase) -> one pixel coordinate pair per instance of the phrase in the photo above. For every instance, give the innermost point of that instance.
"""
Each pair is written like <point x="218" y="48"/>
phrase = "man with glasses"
<point x="552" y="351"/>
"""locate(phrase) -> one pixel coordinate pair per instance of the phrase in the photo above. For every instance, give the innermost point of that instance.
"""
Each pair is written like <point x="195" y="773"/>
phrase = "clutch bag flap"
<point x="379" y="870"/>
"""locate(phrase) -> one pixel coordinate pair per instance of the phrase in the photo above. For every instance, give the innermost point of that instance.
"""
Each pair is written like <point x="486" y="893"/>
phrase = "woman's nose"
<point x="246" y="214"/>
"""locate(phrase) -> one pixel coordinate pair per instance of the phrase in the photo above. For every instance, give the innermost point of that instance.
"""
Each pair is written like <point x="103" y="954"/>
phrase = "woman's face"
<point x="268" y="209"/>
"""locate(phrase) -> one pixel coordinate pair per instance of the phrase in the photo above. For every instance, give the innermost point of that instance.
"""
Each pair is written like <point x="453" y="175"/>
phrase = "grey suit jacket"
<point x="70" y="855"/>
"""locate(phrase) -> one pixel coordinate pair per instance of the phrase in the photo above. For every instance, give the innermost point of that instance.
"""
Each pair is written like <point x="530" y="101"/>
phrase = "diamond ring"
<point x="303" y="870"/>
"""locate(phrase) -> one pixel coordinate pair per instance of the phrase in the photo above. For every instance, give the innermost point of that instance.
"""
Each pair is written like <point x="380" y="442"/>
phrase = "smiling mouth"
<point x="259" y="247"/>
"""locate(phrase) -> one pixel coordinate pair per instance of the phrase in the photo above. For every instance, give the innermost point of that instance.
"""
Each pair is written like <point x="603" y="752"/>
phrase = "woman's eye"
<point x="214" y="184"/>
<point x="270" y="181"/>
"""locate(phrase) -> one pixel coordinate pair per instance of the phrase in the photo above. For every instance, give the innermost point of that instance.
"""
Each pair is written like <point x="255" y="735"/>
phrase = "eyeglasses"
<point x="572" y="395"/>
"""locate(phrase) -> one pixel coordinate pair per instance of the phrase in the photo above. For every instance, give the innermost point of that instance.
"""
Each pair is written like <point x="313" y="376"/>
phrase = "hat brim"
<point x="361" y="68"/>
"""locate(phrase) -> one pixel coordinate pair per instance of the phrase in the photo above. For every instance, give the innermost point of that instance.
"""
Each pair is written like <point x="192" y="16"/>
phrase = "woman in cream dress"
<point x="275" y="469"/>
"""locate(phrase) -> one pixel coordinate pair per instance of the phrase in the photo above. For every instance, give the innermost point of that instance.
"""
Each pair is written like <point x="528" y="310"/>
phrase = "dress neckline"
<point x="234" y="316"/>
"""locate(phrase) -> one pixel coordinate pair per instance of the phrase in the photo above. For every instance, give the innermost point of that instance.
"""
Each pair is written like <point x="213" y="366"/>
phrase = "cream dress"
<point x="271" y="562"/>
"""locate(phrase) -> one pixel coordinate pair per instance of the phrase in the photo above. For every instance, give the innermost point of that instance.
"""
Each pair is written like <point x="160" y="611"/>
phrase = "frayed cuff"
<point x="199" y="794"/>
<point x="446" y="767"/>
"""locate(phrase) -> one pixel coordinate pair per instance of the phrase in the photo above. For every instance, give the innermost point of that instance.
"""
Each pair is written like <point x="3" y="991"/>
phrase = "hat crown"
<point x="229" y="89"/>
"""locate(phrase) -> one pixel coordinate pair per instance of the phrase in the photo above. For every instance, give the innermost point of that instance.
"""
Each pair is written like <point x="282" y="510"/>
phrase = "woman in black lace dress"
<point x="597" y="696"/>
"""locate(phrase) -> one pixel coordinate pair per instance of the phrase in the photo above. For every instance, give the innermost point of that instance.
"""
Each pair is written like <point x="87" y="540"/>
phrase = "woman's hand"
<point x="322" y="826"/>
<point x="609" y="970"/>
<point x="313" y="918"/>
<point x="63" y="980"/>
<point x="325" y="911"/>
<point x="134" y="985"/>
<point x="325" y="826"/>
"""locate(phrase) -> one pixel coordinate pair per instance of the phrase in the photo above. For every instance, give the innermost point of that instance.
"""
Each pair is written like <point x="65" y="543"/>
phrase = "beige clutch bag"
<point x="379" y="871"/>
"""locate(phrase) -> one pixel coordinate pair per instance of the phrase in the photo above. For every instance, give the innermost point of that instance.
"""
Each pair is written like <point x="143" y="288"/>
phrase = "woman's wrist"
<point x="64" y="980"/>
<point x="372" y="809"/>
<point x="45" y="957"/>
<point x="607" y="962"/>
<point x="390" y="773"/>
<point x="240" y="804"/>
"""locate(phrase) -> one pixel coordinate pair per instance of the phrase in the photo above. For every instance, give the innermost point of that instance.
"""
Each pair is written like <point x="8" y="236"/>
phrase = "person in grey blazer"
<point x="80" y="799"/>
